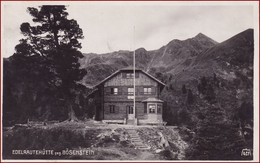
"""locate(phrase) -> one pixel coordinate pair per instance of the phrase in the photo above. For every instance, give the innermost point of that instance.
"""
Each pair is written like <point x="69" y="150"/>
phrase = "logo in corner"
<point x="246" y="152"/>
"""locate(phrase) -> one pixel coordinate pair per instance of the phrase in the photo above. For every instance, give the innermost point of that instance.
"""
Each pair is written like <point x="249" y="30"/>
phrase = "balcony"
<point x="130" y="93"/>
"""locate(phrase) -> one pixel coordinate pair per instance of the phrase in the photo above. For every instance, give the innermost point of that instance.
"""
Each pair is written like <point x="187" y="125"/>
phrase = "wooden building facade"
<point x="114" y="98"/>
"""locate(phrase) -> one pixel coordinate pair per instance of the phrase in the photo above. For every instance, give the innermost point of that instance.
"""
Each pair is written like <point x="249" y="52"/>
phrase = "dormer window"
<point x="129" y="75"/>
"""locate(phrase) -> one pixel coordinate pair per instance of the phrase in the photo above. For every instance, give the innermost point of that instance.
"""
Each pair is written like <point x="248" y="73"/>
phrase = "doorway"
<point x="130" y="112"/>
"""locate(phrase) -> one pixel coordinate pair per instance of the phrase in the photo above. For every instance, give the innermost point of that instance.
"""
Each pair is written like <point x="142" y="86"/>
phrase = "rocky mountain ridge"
<point x="175" y="53"/>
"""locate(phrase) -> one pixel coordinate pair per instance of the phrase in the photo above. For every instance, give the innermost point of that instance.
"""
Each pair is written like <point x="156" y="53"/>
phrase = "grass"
<point x="109" y="142"/>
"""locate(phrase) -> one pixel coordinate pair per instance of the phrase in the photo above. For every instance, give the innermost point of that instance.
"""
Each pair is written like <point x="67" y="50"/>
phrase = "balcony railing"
<point x="130" y="93"/>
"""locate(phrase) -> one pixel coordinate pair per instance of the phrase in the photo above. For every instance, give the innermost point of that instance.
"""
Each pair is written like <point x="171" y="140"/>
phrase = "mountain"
<point x="175" y="55"/>
<point x="185" y="60"/>
<point x="176" y="51"/>
<point x="225" y="59"/>
<point x="225" y="70"/>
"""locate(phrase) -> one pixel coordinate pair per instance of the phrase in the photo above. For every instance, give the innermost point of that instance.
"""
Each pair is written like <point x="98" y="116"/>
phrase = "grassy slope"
<point x="109" y="142"/>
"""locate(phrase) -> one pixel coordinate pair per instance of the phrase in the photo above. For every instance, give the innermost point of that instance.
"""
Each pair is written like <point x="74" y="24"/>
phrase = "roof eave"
<point x="123" y="70"/>
<point x="154" y="78"/>
<point x="106" y="78"/>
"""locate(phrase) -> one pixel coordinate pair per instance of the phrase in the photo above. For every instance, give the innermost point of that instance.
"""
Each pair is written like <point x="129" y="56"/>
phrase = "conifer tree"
<point x="51" y="46"/>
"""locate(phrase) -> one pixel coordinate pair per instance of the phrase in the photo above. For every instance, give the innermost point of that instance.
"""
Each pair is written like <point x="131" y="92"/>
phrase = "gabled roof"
<point x="153" y="77"/>
<point x="127" y="69"/>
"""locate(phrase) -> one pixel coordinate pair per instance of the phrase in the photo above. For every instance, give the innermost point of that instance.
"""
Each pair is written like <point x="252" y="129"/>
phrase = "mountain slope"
<point x="170" y="56"/>
<point x="224" y="59"/>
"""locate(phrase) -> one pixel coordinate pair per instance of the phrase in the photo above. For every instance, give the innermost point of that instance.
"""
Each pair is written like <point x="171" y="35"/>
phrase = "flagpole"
<point x="134" y="111"/>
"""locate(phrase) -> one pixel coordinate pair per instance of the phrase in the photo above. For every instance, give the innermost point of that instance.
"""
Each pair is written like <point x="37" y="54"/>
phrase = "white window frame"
<point x="115" y="91"/>
<point x="155" y="108"/>
<point x="147" y="90"/>
<point x="130" y="92"/>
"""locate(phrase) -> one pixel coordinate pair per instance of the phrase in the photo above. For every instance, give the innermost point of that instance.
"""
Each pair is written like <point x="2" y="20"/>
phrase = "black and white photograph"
<point x="129" y="81"/>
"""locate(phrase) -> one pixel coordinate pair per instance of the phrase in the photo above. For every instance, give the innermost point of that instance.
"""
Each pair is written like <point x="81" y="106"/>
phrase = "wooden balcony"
<point x="127" y="93"/>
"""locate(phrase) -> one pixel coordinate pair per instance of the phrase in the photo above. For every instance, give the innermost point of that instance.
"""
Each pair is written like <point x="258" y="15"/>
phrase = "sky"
<point x="113" y="26"/>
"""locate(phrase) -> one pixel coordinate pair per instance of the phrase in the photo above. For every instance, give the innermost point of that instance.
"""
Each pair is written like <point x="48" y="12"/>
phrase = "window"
<point x="130" y="91"/>
<point x="152" y="108"/>
<point x="114" y="91"/>
<point x="112" y="108"/>
<point x="129" y="75"/>
<point x="147" y="91"/>
<point x="159" y="108"/>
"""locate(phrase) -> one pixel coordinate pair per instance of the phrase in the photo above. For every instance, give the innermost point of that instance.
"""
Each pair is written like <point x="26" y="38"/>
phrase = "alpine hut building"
<point x="115" y="98"/>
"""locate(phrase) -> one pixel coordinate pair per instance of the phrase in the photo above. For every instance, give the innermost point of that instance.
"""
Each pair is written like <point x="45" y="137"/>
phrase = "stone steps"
<point x="130" y="122"/>
<point x="136" y="140"/>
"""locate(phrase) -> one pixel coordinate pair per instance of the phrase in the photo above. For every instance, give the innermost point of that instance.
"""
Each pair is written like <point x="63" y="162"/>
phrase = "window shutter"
<point x="107" y="90"/>
<point x="119" y="91"/>
<point x="140" y="90"/>
<point x="153" y="90"/>
<point x="136" y="75"/>
<point x="124" y="75"/>
<point x="116" y="109"/>
<point x="107" y="110"/>
<point x="127" y="108"/>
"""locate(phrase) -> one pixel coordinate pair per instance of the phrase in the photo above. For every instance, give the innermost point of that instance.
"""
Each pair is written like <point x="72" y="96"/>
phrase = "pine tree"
<point x="53" y="39"/>
<point x="216" y="138"/>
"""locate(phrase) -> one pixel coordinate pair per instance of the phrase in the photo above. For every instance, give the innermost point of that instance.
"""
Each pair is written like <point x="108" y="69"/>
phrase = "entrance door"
<point x="130" y="112"/>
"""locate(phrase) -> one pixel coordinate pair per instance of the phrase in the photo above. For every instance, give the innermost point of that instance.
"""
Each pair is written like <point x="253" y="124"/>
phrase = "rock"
<point x="163" y="142"/>
<point x="158" y="150"/>
<point x="20" y="126"/>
